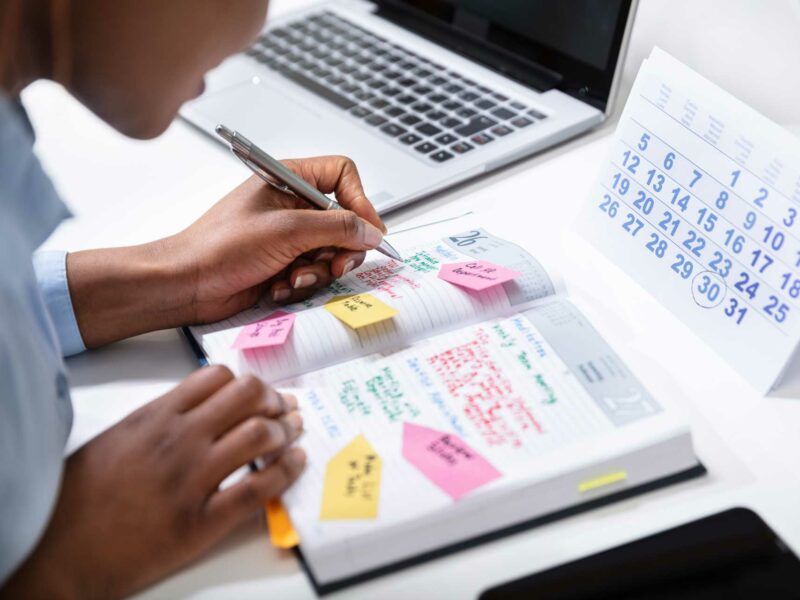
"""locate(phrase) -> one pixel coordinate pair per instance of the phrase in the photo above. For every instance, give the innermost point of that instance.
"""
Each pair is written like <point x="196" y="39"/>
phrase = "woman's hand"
<point x="142" y="499"/>
<point x="255" y="240"/>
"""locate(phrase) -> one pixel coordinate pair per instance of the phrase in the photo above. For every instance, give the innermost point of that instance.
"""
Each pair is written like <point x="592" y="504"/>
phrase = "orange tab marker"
<point x="281" y="531"/>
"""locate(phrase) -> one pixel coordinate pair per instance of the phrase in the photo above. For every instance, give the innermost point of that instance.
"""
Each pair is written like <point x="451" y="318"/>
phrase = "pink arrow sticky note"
<point x="271" y="331"/>
<point x="446" y="460"/>
<point x="476" y="274"/>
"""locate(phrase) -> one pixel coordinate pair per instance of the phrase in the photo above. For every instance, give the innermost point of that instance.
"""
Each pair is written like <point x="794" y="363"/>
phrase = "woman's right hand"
<point x="143" y="498"/>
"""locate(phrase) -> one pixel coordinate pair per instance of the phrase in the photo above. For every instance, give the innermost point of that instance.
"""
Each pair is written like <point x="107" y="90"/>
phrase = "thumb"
<point x="311" y="229"/>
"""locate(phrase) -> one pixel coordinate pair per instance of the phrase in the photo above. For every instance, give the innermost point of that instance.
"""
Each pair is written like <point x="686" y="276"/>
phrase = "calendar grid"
<point x="727" y="188"/>
<point x="733" y="291"/>
<point x="704" y="235"/>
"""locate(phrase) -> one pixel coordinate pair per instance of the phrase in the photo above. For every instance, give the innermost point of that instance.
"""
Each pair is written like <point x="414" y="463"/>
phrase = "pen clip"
<point x="262" y="173"/>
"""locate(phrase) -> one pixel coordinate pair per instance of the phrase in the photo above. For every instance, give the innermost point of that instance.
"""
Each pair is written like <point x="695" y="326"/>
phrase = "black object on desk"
<point x="732" y="554"/>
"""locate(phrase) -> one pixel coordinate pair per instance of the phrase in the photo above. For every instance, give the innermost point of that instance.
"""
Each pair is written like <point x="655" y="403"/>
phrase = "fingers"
<point x="312" y="229"/>
<point x="251" y="439"/>
<point x="197" y="387"/>
<point x="338" y="174"/>
<point x="344" y="262"/>
<point x="244" y="397"/>
<point x="229" y="506"/>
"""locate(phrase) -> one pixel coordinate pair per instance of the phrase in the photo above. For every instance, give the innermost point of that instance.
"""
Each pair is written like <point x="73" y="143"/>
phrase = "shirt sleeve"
<point x="51" y="273"/>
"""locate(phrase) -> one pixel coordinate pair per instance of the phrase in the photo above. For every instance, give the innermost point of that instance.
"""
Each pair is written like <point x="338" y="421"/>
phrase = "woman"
<point x="142" y="499"/>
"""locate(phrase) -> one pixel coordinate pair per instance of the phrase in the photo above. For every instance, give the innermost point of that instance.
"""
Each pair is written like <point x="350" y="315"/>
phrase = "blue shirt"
<point x="37" y="326"/>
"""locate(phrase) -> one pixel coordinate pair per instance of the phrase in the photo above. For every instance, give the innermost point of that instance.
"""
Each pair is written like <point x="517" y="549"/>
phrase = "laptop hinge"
<point x="463" y="38"/>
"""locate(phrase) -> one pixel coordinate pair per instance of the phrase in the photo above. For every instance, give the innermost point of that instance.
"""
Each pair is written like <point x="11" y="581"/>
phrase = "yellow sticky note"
<point x="602" y="481"/>
<point x="352" y="485"/>
<point x="281" y="531"/>
<point x="359" y="310"/>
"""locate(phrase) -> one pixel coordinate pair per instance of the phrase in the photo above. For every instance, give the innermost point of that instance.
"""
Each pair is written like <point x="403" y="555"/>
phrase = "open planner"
<point x="699" y="201"/>
<point x="460" y="415"/>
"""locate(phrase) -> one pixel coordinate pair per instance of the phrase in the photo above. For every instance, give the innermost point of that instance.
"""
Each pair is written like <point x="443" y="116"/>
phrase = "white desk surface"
<point x="125" y="192"/>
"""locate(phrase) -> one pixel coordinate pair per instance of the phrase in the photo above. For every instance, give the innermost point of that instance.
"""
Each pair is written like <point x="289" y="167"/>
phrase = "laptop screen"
<point x="570" y="44"/>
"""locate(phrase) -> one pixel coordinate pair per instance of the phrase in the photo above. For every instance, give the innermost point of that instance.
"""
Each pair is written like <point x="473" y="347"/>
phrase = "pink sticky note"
<point x="271" y="331"/>
<point x="446" y="460"/>
<point x="476" y="274"/>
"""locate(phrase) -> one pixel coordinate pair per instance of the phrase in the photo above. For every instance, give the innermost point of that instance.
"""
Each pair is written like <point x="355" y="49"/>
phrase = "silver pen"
<point x="283" y="179"/>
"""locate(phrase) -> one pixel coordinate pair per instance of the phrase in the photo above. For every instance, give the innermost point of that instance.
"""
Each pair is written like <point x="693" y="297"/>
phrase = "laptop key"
<point x="375" y="120"/>
<point x="521" y="122"/>
<point x="428" y="129"/>
<point x="435" y="115"/>
<point x="446" y="138"/>
<point x="379" y="103"/>
<point x="452" y="105"/>
<point x="425" y="147"/>
<point x="485" y="104"/>
<point x="422" y="90"/>
<point x="501" y="130"/>
<point x="394" y="111"/>
<point x="476" y="125"/>
<point x="518" y="105"/>
<point x="451" y="123"/>
<point x="441" y="156"/>
<point x="503" y="113"/>
<point x="363" y="95"/>
<point x="466" y="112"/>
<point x="437" y="98"/>
<point x="360" y="112"/>
<point x="390" y="91"/>
<point x="406" y="99"/>
<point x="376" y="84"/>
<point x="410" y="120"/>
<point x="437" y="80"/>
<point x="407" y="82"/>
<point x="536" y="114"/>
<point x="453" y="88"/>
<point x="410" y="138"/>
<point x="468" y="96"/>
<point x="421" y="107"/>
<point x="318" y="89"/>
<point x="393" y="129"/>
<point x="499" y="97"/>
<point x="461" y="147"/>
<point x="480" y="138"/>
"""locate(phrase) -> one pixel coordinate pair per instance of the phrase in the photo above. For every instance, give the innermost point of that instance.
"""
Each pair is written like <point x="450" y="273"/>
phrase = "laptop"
<point x="422" y="94"/>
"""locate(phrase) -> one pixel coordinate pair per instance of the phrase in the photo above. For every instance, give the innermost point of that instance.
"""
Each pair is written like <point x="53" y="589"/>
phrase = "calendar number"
<point x="644" y="202"/>
<point x="773" y="237"/>
<point x="733" y="241"/>
<point x="643" y="141"/>
<point x="655" y="180"/>
<point x="721" y="265"/>
<point x="669" y="223"/>
<point x="708" y="290"/>
<point x="681" y="202"/>
<point x="706" y="219"/>
<point x="791" y="214"/>
<point x="762" y="258"/>
<point x="630" y="161"/>
<point x="657" y="246"/>
<point x="694" y="243"/>
<point x="609" y="206"/>
<point x="621" y="184"/>
<point x="744" y="285"/>
<point x="682" y="266"/>
<point x="776" y="309"/>
<point x="632" y="225"/>
<point x="762" y="195"/>
<point x="790" y="285"/>
<point x="669" y="160"/>
<point x="722" y="200"/>
<point x="733" y="310"/>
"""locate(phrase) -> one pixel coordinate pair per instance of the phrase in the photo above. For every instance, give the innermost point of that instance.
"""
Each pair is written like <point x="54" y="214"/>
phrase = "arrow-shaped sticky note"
<point x="476" y="274"/>
<point x="352" y="484"/>
<point x="446" y="460"/>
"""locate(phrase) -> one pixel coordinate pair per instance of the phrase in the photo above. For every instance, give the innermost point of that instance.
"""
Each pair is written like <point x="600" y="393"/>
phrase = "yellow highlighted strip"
<point x="602" y="481"/>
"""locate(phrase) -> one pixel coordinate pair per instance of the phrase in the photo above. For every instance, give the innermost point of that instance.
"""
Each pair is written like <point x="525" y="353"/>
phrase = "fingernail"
<point x="296" y="456"/>
<point x="305" y="280"/>
<point x="280" y="295"/>
<point x="372" y="235"/>
<point x="348" y="266"/>
<point x="291" y="402"/>
<point x="295" y="421"/>
<point x="325" y="255"/>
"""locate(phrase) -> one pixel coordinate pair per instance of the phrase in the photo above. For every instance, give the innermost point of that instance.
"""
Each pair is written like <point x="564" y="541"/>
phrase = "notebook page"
<point x="699" y="201"/>
<point x="517" y="389"/>
<point x="426" y="304"/>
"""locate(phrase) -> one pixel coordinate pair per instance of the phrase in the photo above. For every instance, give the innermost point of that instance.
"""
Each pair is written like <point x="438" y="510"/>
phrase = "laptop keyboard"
<point x="419" y="104"/>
